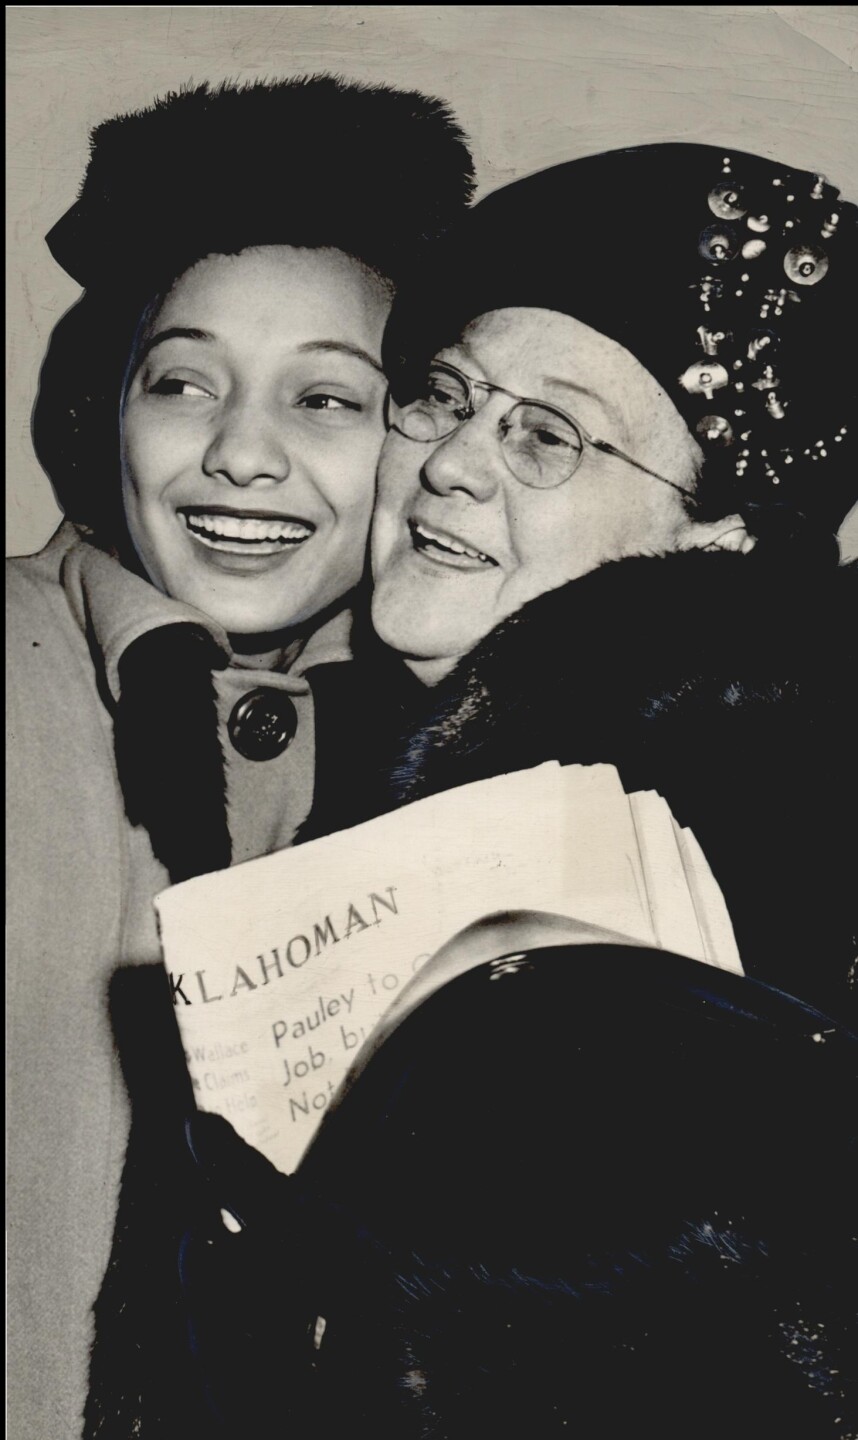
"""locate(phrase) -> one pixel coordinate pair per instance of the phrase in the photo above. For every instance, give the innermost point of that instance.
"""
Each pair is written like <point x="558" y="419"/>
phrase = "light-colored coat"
<point x="80" y="882"/>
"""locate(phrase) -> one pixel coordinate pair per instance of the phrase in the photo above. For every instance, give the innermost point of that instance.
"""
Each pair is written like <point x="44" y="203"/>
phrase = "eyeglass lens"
<point x="542" y="449"/>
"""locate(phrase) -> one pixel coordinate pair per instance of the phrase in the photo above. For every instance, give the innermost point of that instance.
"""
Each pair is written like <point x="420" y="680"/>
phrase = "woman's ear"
<point x="731" y="533"/>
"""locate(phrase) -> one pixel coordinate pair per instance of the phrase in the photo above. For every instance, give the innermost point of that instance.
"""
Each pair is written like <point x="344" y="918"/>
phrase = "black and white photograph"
<point x="432" y="564"/>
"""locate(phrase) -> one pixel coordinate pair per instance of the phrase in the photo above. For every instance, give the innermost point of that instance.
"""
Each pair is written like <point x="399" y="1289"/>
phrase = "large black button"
<point x="262" y="724"/>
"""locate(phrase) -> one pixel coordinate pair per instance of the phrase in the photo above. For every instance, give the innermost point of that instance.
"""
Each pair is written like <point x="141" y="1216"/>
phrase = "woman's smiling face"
<point x="458" y="543"/>
<point x="250" y="434"/>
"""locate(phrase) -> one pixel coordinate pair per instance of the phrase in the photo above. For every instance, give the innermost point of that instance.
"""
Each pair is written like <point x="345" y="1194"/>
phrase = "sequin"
<point x="715" y="429"/>
<point x="726" y="201"/>
<point x="760" y="340"/>
<point x="718" y="243"/>
<point x="752" y="249"/>
<point x="710" y="340"/>
<point x="806" y="265"/>
<point x="767" y="381"/>
<point x="702" y="379"/>
<point x="758" y="223"/>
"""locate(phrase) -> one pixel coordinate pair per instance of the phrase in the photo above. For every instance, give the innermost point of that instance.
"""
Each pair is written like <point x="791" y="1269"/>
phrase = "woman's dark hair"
<point x="733" y="279"/>
<point x="315" y="162"/>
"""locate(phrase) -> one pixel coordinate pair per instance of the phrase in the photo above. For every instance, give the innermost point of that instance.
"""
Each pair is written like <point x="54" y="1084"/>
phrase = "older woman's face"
<point x="458" y="543"/>
<point x="250" y="434"/>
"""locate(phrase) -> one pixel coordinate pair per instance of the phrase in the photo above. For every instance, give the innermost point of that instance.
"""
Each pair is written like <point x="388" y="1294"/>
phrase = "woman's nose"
<point x="468" y="461"/>
<point x="248" y="445"/>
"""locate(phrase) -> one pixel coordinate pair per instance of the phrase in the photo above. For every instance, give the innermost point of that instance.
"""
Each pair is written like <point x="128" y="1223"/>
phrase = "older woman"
<point x="210" y="414"/>
<point x="597" y="1190"/>
<point x="626" y="362"/>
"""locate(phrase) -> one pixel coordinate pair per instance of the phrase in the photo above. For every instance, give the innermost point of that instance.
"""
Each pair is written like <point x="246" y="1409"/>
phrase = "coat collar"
<point x="115" y="607"/>
<point x="635" y="638"/>
<point x="688" y="611"/>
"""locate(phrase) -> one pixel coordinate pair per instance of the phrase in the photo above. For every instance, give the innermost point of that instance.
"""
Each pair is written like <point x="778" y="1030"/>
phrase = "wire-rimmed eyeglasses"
<point x="542" y="446"/>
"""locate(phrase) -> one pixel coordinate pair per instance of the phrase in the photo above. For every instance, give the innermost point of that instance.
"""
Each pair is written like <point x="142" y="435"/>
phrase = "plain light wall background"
<point x="531" y="85"/>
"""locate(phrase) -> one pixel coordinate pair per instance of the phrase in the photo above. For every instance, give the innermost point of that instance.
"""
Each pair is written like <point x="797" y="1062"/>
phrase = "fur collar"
<point x="644" y="637"/>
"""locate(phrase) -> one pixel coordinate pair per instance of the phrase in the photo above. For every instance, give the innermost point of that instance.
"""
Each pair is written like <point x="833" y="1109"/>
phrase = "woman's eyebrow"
<point x="174" y="332"/>
<point x="343" y="347"/>
<point x="555" y="382"/>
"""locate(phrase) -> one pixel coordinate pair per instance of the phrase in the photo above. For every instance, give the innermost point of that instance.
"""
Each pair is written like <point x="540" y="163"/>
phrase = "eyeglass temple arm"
<point x="608" y="449"/>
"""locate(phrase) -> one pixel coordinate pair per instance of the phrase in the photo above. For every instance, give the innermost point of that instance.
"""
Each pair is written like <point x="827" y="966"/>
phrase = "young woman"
<point x="210" y="414"/>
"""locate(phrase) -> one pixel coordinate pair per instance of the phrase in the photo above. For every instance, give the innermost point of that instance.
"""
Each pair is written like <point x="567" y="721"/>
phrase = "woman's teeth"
<point x="239" y="533"/>
<point x="447" y="544"/>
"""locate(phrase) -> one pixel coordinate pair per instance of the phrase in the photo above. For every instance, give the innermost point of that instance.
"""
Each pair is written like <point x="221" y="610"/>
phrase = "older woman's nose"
<point x="468" y="461"/>
<point x="249" y="444"/>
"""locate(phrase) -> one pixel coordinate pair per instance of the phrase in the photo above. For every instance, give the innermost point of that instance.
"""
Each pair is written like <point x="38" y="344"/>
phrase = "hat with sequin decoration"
<point x="732" y="278"/>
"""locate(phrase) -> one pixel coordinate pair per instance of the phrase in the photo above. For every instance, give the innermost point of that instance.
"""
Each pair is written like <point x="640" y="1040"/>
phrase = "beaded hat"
<point x="733" y="279"/>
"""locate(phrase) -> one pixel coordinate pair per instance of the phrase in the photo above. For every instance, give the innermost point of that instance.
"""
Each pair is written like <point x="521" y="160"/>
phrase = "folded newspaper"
<point x="286" y="970"/>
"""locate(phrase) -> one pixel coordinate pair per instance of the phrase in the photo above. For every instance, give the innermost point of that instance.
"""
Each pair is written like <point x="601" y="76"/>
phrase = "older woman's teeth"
<point x="442" y="541"/>
<point x="221" y="531"/>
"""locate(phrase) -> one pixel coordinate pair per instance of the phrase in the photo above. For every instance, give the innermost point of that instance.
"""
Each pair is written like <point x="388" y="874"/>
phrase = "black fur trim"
<point x="639" y="639"/>
<point x="168" y="753"/>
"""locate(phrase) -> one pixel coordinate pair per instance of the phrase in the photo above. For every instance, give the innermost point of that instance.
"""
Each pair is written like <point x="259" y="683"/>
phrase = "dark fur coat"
<point x="725" y="682"/>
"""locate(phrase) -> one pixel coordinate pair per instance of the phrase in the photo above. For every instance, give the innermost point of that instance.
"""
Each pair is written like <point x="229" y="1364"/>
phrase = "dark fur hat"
<point x="313" y="161"/>
<point x="317" y="161"/>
